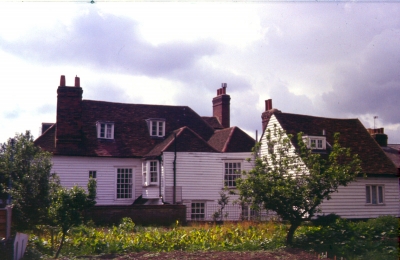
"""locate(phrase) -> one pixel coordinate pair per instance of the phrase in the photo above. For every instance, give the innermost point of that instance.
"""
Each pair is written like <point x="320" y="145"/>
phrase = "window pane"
<point x="380" y="189"/>
<point x="153" y="128"/>
<point x="373" y="191"/>
<point x="124" y="183"/>
<point x="160" y="128"/>
<point x="102" y="130"/>
<point x="232" y="172"/>
<point x="367" y="194"/>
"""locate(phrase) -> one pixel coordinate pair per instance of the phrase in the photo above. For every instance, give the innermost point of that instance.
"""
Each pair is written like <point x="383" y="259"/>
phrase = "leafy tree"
<point x="293" y="182"/>
<point x="25" y="176"/>
<point x="68" y="207"/>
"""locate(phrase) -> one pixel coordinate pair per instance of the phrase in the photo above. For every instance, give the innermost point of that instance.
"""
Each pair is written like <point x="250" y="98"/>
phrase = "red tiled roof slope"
<point x="213" y="122"/>
<point x="352" y="134"/>
<point x="232" y="140"/>
<point x="186" y="141"/>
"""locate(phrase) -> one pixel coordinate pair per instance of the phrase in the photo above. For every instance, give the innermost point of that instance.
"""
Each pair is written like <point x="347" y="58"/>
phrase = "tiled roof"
<point x="213" y="122"/>
<point x="352" y="134"/>
<point x="232" y="140"/>
<point x="182" y="140"/>
<point x="131" y="133"/>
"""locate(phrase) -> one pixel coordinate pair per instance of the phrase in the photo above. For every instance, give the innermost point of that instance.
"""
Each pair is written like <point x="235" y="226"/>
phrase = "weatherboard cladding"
<point x="352" y="134"/>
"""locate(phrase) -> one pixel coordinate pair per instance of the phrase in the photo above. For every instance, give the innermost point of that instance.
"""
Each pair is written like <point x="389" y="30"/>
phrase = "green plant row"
<point x="373" y="239"/>
<point x="128" y="238"/>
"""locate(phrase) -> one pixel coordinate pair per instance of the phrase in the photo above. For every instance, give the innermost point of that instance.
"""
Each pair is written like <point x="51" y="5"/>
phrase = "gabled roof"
<point x="352" y="134"/>
<point x="182" y="140"/>
<point x="231" y="140"/>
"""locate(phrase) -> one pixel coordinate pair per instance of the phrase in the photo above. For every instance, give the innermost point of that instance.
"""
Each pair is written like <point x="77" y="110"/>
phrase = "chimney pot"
<point x="62" y="81"/>
<point x="77" y="82"/>
<point x="224" y="85"/>
<point x="268" y="104"/>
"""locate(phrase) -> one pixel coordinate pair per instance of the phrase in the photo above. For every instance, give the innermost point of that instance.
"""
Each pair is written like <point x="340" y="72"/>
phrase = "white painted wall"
<point x="349" y="201"/>
<point x="74" y="170"/>
<point x="200" y="176"/>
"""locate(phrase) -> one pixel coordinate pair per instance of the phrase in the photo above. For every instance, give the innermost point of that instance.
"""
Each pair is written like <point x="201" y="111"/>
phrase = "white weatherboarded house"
<point x="370" y="197"/>
<point x="146" y="154"/>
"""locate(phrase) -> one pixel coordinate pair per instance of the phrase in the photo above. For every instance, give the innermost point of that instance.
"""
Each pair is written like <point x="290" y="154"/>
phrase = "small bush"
<point x="325" y="220"/>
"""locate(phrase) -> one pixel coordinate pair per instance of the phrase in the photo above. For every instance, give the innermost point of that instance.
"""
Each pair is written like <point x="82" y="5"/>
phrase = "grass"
<point x="362" y="240"/>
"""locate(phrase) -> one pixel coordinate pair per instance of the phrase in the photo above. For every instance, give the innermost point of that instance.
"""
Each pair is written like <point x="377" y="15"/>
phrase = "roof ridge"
<point x="284" y="113"/>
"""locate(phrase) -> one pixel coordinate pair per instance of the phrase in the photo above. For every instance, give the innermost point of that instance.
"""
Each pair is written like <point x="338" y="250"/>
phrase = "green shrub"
<point x="345" y="238"/>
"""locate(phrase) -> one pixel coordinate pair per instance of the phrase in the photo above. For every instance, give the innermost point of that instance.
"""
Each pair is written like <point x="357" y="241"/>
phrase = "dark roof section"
<point x="47" y="140"/>
<point x="352" y="134"/>
<point x="131" y="134"/>
<point x="213" y="122"/>
<point x="186" y="141"/>
<point x="232" y="140"/>
<point x="393" y="152"/>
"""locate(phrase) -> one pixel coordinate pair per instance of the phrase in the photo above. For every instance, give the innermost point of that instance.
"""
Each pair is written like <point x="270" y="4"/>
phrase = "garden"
<point x="329" y="237"/>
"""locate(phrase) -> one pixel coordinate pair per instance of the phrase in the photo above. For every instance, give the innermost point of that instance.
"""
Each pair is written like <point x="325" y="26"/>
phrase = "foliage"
<point x="375" y="238"/>
<point x="26" y="178"/>
<point x="294" y="181"/>
<point x="69" y="205"/>
<point x="222" y="202"/>
<point x="244" y="236"/>
<point x="343" y="238"/>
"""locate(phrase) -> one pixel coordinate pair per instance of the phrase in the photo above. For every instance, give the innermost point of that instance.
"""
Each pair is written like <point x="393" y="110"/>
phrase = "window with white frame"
<point x="150" y="172"/>
<point x="124" y="183"/>
<point x="105" y="130"/>
<point x="315" y="142"/>
<point x="93" y="174"/>
<point x="198" y="211"/>
<point x="232" y="172"/>
<point x="374" y="194"/>
<point x="248" y="213"/>
<point x="156" y="127"/>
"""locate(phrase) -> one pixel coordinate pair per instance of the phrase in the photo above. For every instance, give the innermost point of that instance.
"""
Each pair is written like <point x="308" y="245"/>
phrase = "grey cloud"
<point x="373" y="85"/>
<point x="108" y="43"/>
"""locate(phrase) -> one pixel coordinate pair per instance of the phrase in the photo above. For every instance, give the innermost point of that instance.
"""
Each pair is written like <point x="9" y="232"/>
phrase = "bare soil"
<point x="287" y="254"/>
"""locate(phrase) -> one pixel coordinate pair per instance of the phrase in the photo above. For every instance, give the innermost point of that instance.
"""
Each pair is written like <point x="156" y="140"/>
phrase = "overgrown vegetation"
<point x="372" y="239"/>
<point x="352" y="240"/>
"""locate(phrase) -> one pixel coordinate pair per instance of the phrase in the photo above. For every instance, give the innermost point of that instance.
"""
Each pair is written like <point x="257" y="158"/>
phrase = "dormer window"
<point x="315" y="142"/>
<point x="156" y="127"/>
<point x="105" y="130"/>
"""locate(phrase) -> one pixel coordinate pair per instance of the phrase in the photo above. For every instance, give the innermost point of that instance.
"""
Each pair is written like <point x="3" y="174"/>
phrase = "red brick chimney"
<point x="69" y="116"/>
<point x="266" y="115"/>
<point x="221" y="106"/>
<point x="379" y="136"/>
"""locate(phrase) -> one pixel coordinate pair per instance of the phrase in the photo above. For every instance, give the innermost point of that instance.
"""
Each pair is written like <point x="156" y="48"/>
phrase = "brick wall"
<point x="159" y="215"/>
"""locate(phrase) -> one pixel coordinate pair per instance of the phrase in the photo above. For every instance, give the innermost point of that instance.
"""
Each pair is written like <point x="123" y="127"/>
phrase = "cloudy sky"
<point x="330" y="59"/>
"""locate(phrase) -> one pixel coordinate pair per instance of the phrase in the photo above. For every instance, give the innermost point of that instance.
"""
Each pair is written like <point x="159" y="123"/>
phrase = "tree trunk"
<point x="61" y="244"/>
<point x="290" y="234"/>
